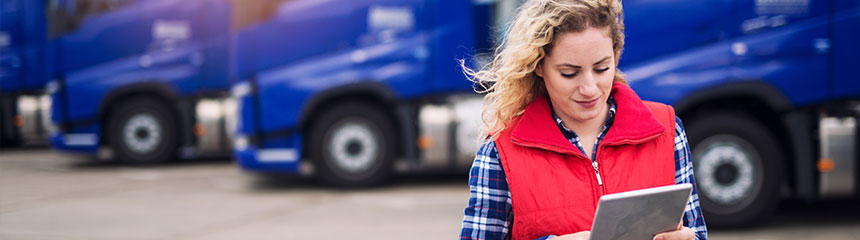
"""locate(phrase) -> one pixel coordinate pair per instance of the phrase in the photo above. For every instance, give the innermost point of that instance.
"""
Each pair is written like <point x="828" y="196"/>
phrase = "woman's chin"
<point x="585" y="117"/>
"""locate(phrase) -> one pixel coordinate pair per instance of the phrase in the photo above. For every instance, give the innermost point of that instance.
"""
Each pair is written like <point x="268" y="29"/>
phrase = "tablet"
<point x="640" y="214"/>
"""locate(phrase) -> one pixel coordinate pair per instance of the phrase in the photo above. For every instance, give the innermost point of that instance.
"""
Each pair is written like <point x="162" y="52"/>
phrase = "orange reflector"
<point x="826" y="165"/>
<point x="199" y="130"/>
<point x="19" y="121"/>
<point x="424" y="142"/>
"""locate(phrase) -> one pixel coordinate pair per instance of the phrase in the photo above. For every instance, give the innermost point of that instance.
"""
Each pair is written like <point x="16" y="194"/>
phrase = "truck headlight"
<point x="241" y="89"/>
<point x="233" y="104"/>
<point x="240" y="143"/>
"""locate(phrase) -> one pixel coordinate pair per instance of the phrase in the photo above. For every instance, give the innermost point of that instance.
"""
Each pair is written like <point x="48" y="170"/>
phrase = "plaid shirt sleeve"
<point x="684" y="174"/>
<point x="489" y="214"/>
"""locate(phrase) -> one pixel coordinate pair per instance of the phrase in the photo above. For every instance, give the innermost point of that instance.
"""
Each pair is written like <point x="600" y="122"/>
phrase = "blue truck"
<point x="24" y="107"/>
<point x="766" y="93"/>
<point x="363" y="88"/>
<point x="351" y="91"/>
<point x="139" y="80"/>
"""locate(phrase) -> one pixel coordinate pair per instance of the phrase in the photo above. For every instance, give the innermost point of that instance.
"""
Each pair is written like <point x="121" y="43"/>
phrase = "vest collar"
<point x="634" y="123"/>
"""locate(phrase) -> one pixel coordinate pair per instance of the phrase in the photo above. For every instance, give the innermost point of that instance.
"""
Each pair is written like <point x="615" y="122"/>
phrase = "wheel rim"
<point x="142" y="133"/>
<point x="353" y="147"/>
<point x="728" y="172"/>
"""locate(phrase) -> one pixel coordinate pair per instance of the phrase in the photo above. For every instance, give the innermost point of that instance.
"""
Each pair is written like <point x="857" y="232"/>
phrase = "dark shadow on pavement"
<point x="281" y="182"/>
<point x="793" y="213"/>
<point x="276" y="182"/>
<point x="826" y="212"/>
<point x="25" y="148"/>
<point x="89" y="162"/>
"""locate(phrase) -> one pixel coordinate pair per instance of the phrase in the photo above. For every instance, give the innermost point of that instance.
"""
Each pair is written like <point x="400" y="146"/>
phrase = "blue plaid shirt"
<point x="489" y="214"/>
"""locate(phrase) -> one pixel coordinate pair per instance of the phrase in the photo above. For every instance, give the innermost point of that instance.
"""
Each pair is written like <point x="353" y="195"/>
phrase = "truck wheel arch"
<point x="760" y="99"/>
<point x="369" y="91"/>
<point x="759" y="90"/>
<point x="158" y="90"/>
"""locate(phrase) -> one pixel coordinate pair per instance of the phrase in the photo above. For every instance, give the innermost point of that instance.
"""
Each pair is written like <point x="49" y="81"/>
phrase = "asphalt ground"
<point x="50" y="195"/>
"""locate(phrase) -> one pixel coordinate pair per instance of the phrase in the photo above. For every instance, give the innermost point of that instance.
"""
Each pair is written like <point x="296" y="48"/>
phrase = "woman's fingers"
<point x="684" y="233"/>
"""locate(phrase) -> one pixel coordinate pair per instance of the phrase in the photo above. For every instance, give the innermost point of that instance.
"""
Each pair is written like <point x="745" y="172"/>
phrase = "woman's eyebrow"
<point x="567" y="65"/>
<point x="576" y="66"/>
<point x="602" y="60"/>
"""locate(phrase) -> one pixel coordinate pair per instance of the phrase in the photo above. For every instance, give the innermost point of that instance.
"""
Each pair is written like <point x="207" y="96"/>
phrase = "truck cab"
<point x="140" y="80"/>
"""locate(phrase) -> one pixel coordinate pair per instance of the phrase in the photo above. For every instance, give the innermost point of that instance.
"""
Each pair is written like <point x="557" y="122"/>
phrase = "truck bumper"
<point x="283" y="161"/>
<point x="281" y="156"/>
<point x="84" y="143"/>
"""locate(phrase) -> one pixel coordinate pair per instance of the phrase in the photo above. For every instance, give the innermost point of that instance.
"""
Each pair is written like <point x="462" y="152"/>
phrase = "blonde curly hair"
<point x="509" y="80"/>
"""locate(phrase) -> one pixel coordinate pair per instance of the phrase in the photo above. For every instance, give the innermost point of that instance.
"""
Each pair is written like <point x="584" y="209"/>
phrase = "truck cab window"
<point x="66" y="16"/>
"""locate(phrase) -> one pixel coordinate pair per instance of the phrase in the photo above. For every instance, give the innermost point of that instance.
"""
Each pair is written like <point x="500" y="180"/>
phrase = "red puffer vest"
<point x="555" y="188"/>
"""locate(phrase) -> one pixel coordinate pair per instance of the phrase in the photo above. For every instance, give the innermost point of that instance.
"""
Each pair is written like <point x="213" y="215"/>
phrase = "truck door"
<point x="403" y="27"/>
<point x="95" y="40"/>
<point x="786" y="43"/>
<point x="22" y="38"/>
<point x="844" y="48"/>
<point x="10" y="57"/>
<point x="215" y="44"/>
<point x="196" y="32"/>
<point x="92" y="32"/>
<point x="655" y="29"/>
<point x="454" y="26"/>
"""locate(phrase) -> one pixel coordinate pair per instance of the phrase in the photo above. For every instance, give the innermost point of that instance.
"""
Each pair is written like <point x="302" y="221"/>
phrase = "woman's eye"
<point x="568" y="75"/>
<point x="602" y="70"/>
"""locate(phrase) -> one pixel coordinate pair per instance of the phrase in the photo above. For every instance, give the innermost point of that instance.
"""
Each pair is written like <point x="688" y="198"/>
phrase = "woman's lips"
<point x="587" y="104"/>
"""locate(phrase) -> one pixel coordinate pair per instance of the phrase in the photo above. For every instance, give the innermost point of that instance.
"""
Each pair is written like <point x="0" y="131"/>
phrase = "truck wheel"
<point x="142" y="130"/>
<point x="352" y="145"/>
<point x="738" y="168"/>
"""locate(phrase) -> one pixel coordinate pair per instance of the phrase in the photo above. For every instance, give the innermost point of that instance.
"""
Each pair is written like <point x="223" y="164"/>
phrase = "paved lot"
<point x="46" y="195"/>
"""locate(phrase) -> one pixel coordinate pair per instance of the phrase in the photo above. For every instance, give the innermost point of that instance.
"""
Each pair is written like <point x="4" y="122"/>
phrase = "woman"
<point x="564" y="129"/>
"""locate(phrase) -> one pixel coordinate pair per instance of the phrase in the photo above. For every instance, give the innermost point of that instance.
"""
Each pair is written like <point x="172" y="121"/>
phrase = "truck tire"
<point x="8" y="130"/>
<point x="738" y="167"/>
<point x="3" y="142"/>
<point x="142" y="130"/>
<point x="352" y="145"/>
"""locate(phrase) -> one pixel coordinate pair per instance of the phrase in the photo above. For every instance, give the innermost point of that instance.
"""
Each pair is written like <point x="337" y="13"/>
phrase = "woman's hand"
<point x="575" y="236"/>
<point x="683" y="233"/>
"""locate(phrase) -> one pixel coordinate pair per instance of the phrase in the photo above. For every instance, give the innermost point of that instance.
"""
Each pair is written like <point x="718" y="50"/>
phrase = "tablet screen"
<point x="640" y="214"/>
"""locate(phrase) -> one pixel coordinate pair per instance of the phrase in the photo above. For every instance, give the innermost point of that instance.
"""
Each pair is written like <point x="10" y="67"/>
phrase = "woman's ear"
<point x="539" y="69"/>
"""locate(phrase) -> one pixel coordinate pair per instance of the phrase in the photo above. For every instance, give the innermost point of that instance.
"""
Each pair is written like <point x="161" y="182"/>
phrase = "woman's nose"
<point x="588" y="88"/>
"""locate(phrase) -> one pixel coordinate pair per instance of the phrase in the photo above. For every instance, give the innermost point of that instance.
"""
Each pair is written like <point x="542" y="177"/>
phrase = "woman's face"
<point x="578" y="74"/>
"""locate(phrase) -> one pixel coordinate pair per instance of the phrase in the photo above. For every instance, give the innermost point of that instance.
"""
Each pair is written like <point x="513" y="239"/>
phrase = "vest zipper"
<point x="599" y="180"/>
<point x="600" y="187"/>
<point x="597" y="172"/>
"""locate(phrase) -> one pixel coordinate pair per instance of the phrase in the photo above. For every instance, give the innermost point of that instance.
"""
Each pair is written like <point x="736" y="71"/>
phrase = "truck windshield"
<point x="65" y="16"/>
